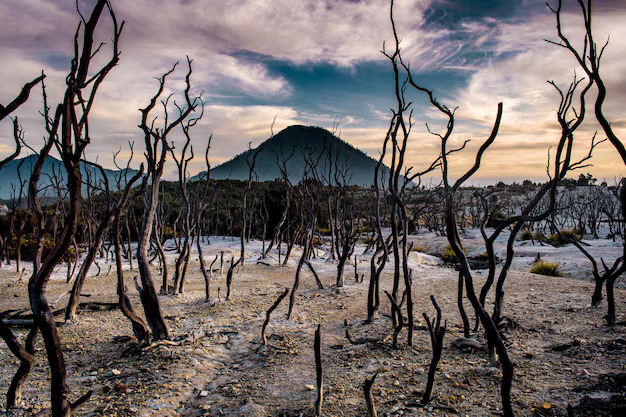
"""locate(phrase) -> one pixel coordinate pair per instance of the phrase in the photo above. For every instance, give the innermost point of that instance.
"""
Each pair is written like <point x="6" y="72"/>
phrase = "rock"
<point x="310" y="387"/>
<point x="116" y="372"/>
<point x="203" y="393"/>
<point x="252" y="410"/>
<point x="353" y="401"/>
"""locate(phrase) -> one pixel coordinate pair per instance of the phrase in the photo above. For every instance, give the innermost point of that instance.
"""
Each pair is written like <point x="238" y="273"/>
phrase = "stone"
<point x="252" y="410"/>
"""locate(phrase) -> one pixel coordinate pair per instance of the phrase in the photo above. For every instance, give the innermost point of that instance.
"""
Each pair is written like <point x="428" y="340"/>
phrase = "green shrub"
<point x="369" y="240"/>
<point x="418" y="248"/>
<point x="550" y="269"/>
<point x="558" y="240"/>
<point x="482" y="257"/>
<point x="526" y="235"/>
<point x="29" y="247"/>
<point x="448" y="255"/>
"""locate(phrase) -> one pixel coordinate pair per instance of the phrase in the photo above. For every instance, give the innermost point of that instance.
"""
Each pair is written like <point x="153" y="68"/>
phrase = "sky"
<point x="319" y="62"/>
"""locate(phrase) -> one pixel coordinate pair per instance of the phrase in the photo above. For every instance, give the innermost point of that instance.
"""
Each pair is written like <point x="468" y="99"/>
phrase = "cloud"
<point x="504" y="59"/>
<point x="519" y="79"/>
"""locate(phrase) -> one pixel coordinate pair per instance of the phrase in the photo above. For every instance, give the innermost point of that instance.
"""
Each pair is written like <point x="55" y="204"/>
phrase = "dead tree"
<point x="106" y="219"/>
<point x="10" y="108"/>
<point x="459" y="300"/>
<point x="451" y="226"/>
<point x="282" y="164"/>
<point x="396" y="140"/>
<point x="157" y="237"/>
<point x="396" y="311"/>
<point x="455" y="242"/>
<point x="437" y="333"/>
<point x="71" y="118"/>
<point x="369" y="398"/>
<point x="308" y="211"/>
<point x="17" y="215"/>
<point x="269" y="311"/>
<point x="250" y="159"/>
<point x="589" y="60"/>
<point x="317" y="348"/>
<point x="140" y="329"/>
<point x="296" y="283"/>
<point x="18" y="136"/>
<point x="13" y="105"/>
<point x="34" y="204"/>
<point x="380" y="257"/>
<point x="377" y="264"/>
<point x="26" y="355"/>
<point x="157" y="149"/>
<point x="229" y="276"/>
<point x="543" y="203"/>
<point x="201" y="206"/>
<point x="182" y="163"/>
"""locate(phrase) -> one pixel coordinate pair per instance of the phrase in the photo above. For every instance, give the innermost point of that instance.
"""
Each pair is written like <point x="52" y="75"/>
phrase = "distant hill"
<point x="306" y="143"/>
<point x="9" y="175"/>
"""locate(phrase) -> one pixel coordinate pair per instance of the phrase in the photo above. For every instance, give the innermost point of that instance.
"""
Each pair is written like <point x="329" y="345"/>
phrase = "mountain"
<point x="307" y="143"/>
<point x="9" y="175"/>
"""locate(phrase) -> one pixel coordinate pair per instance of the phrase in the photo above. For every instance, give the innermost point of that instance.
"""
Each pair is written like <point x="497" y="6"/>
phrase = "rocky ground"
<point x="217" y="366"/>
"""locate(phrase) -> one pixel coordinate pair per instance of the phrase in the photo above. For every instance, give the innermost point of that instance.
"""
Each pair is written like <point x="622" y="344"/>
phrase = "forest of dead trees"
<point x="93" y="223"/>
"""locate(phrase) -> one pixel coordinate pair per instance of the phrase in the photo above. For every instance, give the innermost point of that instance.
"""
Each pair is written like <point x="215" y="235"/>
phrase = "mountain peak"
<point x="306" y="143"/>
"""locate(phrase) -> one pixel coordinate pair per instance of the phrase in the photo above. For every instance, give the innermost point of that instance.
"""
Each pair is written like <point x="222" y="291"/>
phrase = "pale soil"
<point x="222" y="369"/>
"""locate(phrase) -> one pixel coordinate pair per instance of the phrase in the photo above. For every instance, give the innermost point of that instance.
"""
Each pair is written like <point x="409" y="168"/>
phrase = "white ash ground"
<point x="221" y="369"/>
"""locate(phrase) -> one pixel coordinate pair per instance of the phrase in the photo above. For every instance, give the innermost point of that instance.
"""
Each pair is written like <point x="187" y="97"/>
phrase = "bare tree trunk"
<point x="296" y="282"/>
<point x="130" y="244"/>
<point x="205" y="274"/>
<point x="72" y="305"/>
<point x="318" y="371"/>
<point x="26" y="355"/>
<point x="397" y="311"/>
<point x="251" y="162"/>
<point x="156" y="138"/>
<point x="229" y="277"/>
<point x="437" y="333"/>
<point x="459" y="300"/>
<point x="140" y="329"/>
<point x="149" y="298"/>
<point x="369" y="398"/>
<point x="71" y="144"/>
<point x="159" y="245"/>
<point x="269" y="311"/>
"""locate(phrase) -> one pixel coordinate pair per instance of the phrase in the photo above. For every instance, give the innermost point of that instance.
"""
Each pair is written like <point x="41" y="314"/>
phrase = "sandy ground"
<point x="220" y="368"/>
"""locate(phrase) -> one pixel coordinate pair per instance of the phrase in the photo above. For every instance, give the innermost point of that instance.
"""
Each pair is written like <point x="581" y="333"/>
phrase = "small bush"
<point x="550" y="269"/>
<point x="29" y="248"/>
<point x="558" y="240"/>
<point x="418" y="249"/>
<point x="448" y="255"/>
<point x="526" y="235"/>
<point x="482" y="257"/>
<point x="317" y="242"/>
<point x="369" y="240"/>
